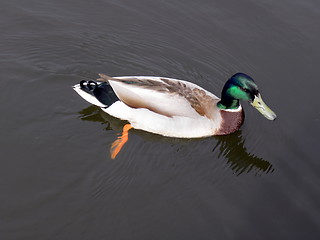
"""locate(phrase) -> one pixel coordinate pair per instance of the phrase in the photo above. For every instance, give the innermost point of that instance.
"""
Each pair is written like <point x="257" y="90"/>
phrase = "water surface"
<point x="57" y="178"/>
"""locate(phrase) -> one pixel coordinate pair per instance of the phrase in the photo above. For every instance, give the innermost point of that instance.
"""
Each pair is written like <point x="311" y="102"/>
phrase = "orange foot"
<point x="118" y="144"/>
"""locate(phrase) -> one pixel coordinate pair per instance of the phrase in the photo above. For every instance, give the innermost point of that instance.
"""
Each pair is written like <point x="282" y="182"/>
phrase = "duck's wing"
<point x="165" y="96"/>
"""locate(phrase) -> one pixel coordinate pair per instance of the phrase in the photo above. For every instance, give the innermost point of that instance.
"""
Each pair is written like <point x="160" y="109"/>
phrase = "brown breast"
<point x="231" y="122"/>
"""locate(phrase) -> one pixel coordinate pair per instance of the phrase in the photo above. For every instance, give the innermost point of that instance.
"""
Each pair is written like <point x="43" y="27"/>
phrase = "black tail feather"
<point x="100" y="90"/>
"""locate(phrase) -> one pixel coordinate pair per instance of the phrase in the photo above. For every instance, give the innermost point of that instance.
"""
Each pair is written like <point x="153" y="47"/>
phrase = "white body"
<point x="177" y="118"/>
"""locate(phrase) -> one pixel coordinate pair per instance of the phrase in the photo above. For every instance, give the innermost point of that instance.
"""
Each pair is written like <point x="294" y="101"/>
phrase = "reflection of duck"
<point x="230" y="147"/>
<point x="172" y="107"/>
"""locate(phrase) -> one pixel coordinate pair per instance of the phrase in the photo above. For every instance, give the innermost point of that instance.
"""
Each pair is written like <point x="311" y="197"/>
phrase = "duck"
<point x="172" y="107"/>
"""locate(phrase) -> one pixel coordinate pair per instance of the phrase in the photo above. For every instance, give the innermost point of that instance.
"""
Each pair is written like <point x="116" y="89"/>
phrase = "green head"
<point x="242" y="87"/>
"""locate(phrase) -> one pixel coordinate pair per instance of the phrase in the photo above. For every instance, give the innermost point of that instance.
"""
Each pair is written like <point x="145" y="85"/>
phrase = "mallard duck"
<point x="172" y="107"/>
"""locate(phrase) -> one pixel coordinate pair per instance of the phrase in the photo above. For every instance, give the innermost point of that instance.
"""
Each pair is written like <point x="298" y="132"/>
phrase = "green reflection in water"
<point x="230" y="147"/>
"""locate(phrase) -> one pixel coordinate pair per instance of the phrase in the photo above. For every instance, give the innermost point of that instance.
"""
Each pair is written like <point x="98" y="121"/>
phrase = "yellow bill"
<point x="263" y="108"/>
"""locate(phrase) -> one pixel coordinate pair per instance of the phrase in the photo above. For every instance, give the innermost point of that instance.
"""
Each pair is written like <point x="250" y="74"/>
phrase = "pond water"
<point x="57" y="178"/>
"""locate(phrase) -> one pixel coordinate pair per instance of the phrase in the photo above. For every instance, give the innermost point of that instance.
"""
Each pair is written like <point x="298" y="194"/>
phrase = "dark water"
<point x="57" y="179"/>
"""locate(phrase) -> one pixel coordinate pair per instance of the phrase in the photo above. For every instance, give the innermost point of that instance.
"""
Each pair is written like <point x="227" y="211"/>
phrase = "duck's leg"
<point x="118" y="144"/>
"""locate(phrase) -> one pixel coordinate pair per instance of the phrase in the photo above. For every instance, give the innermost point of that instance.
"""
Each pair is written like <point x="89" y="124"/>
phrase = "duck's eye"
<point x="244" y="89"/>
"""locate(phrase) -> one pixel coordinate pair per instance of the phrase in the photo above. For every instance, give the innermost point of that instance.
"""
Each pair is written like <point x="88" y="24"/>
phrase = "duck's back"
<point x="166" y="96"/>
